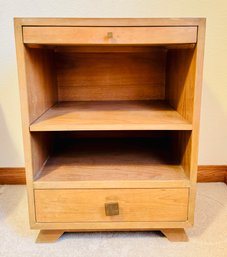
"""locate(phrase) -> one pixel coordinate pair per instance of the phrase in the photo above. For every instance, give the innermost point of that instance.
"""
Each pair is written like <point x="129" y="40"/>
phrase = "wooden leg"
<point x="175" y="234"/>
<point x="48" y="236"/>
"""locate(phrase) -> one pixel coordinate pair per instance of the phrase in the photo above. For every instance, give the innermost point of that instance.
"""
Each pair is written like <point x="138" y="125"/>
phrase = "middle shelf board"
<point x="112" y="163"/>
<point x="111" y="115"/>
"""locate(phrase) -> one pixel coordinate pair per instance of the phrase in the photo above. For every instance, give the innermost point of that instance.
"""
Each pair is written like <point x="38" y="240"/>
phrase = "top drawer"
<point x="109" y="35"/>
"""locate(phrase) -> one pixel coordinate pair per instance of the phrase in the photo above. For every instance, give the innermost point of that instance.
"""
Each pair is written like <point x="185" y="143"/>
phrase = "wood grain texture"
<point x="113" y="49"/>
<point x="12" y="176"/>
<point x="49" y="236"/>
<point x="180" y="80"/>
<point x="206" y="173"/>
<point x="99" y="22"/>
<point x="99" y="35"/>
<point x="212" y="173"/>
<point x="196" y="114"/>
<point x="175" y="234"/>
<point x="181" y="145"/>
<point x="41" y="81"/>
<point x="111" y="226"/>
<point x="153" y="176"/>
<point x="111" y="76"/>
<point x="183" y="90"/>
<point x="37" y="94"/>
<point x="199" y="59"/>
<point x="89" y="205"/>
<point x="41" y="149"/>
<point x="112" y="163"/>
<point x="114" y="115"/>
<point x="25" y="116"/>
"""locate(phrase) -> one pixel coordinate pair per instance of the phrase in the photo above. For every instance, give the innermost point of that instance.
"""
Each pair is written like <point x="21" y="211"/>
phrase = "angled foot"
<point x="48" y="236"/>
<point x="175" y="234"/>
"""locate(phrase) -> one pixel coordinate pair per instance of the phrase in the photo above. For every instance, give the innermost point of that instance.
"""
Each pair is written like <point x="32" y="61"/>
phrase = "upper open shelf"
<point x="110" y="88"/>
<point x="111" y="115"/>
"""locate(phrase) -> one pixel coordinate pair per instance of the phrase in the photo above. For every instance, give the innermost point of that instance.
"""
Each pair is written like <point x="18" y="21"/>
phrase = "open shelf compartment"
<point x="111" y="87"/>
<point x="113" y="160"/>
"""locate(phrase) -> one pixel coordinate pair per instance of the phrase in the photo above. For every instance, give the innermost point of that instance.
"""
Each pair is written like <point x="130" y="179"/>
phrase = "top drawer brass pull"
<point x="111" y="209"/>
<point x="110" y="34"/>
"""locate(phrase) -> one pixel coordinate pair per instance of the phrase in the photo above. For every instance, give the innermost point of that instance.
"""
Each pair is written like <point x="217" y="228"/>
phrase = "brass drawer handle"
<point x="110" y="35"/>
<point x="111" y="209"/>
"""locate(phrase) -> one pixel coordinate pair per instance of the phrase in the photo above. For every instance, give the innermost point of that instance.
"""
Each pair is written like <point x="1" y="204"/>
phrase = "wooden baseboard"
<point x="12" y="176"/>
<point x="206" y="173"/>
<point x="212" y="173"/>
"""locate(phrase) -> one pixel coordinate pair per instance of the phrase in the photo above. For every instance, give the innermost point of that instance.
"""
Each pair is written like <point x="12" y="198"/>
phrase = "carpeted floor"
<point x="208" y="237"/>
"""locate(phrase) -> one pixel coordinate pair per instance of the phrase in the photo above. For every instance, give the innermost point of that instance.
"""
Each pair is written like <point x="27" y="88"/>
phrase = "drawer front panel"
<point x="106" y="205"/>
<point x="109" y="35"/>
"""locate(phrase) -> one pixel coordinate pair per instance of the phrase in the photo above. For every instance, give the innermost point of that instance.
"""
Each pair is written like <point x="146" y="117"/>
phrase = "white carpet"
<point x="208" y="237"/>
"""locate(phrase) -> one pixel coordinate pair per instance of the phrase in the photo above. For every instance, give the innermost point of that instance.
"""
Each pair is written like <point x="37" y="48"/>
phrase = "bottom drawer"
<point x="105" y="205"/>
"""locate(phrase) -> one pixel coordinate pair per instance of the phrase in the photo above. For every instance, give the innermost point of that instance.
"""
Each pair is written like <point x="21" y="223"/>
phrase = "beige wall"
<point x="213" y="138"/>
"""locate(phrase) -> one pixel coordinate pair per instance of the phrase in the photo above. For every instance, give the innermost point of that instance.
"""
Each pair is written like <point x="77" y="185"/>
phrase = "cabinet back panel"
<point x="111" y="76"/>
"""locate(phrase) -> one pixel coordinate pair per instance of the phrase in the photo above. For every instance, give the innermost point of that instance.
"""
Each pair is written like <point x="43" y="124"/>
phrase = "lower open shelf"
<point x="112" y="163"/>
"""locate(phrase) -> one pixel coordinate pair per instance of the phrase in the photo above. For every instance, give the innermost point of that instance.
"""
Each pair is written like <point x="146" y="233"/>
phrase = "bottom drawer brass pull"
<point x="111" y="209"/>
